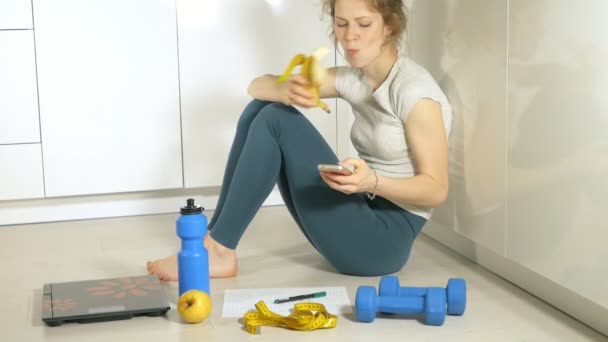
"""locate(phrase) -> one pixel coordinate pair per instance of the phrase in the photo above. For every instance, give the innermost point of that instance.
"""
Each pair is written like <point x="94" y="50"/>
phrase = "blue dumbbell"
<point x="456" y="292"/>
<point x="432" y="305"/>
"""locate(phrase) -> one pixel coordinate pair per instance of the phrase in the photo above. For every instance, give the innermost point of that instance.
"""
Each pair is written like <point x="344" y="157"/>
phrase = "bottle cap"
<point x="191" y="208"/>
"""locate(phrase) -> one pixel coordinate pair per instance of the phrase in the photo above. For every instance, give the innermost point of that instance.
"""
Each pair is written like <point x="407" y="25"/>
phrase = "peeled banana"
<point x="312" y="70"/>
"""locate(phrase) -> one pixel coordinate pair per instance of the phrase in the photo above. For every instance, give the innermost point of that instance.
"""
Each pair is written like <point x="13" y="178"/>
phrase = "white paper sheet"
<point x="239" y="301"/>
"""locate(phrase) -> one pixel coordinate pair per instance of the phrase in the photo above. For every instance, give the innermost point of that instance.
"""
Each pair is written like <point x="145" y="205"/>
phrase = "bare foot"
<point x="164" y="269"/>
<point x="222" y="263"/>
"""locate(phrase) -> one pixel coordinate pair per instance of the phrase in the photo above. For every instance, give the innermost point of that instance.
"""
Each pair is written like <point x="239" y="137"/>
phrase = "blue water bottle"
<point x="192" y="259"/>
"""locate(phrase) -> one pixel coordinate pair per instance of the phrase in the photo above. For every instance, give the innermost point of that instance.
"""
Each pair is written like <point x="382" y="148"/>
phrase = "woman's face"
<point x="360" y="30"/>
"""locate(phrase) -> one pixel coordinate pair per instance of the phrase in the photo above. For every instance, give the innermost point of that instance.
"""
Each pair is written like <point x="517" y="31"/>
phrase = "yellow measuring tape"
<point x="302" y="318"/>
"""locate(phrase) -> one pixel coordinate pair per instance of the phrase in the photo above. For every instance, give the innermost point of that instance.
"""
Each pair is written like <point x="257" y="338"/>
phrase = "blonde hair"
<point x="393" y="14"/>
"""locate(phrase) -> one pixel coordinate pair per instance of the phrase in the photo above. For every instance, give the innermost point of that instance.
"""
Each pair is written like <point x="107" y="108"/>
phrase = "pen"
<point x="305" y="296"/>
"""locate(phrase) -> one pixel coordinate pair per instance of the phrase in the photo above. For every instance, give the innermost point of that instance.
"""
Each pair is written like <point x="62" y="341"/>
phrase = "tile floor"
<point x="273" y="253"/>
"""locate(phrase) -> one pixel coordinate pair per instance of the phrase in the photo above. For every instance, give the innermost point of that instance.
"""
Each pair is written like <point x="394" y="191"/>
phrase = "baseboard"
<point x="564" y="299"/>
<point x="114" y="205"/>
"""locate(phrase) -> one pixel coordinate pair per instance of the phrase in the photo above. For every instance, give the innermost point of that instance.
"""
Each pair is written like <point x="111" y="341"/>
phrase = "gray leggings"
<point x="276" y="144"/>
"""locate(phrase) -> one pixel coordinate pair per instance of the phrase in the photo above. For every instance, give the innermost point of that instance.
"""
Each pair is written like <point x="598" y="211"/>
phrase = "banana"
<point x="312" y="70"/>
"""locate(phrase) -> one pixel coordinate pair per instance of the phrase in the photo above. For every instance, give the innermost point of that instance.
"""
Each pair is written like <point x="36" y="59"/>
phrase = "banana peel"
<point x="312" y="70"/>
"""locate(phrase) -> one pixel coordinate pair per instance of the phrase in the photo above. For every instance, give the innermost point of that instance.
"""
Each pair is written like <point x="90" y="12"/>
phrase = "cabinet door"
<point x="223" y="46"/>
<point x="18" y="95"/>
<point x="558" y="146"/>
<point x="109" y="95"/>
<point x="21" y="172"/>
<point x="15" y="14"/>
<point x="474" y="80"/>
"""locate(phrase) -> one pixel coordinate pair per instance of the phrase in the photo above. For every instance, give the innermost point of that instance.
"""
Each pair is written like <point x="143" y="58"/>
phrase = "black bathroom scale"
<point x="103" y="300"/>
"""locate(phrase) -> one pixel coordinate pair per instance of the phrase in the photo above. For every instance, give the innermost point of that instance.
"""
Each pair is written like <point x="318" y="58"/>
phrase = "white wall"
<point x="222" y="47"/>
<point x="529" y="148"/>
<point x="138" y="107"/>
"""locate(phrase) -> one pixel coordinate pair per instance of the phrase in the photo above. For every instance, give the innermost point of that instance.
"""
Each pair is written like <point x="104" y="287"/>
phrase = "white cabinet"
<point x="473" y="76"/>
<point x="528" y="183"/>
<point x="18" y="95"/>
<point x="223" y="46"/>
<point x="109" y="95"/>
<point x="15" y="14"/>
<point x="558" y="146"/>
<point x="21" y="172"/>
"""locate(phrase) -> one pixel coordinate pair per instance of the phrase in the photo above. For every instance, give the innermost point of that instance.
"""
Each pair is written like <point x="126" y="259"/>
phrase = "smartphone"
<point x="336" y="168"/>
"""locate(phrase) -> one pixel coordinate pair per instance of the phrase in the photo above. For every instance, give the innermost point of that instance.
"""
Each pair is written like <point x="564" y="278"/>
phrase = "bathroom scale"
<point x="103" y="300"/>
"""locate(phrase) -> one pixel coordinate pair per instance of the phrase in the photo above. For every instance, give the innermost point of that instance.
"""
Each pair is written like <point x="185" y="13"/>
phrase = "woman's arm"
<point x="428" y="145"/>
<point x="427" y="142"/>
<point x="293" y="91"/>
<point x="328" y="88"/>
<point x="265" y="88"/>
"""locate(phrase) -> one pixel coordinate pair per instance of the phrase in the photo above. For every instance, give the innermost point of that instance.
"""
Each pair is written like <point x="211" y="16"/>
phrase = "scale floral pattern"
<point x="123" y="287"/>
<point x="62" y="305"/>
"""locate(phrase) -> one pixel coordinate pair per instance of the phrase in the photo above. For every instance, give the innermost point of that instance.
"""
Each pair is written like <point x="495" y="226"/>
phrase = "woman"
<point x="365" y="223"/>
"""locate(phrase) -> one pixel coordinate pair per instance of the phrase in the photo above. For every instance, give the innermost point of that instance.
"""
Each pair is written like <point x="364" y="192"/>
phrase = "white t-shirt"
<point x="378" y="132"/>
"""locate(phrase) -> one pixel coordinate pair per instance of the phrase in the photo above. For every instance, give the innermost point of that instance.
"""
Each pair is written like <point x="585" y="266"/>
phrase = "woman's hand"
<point x="362" y="180"/>
<point x="294" y="92"/>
